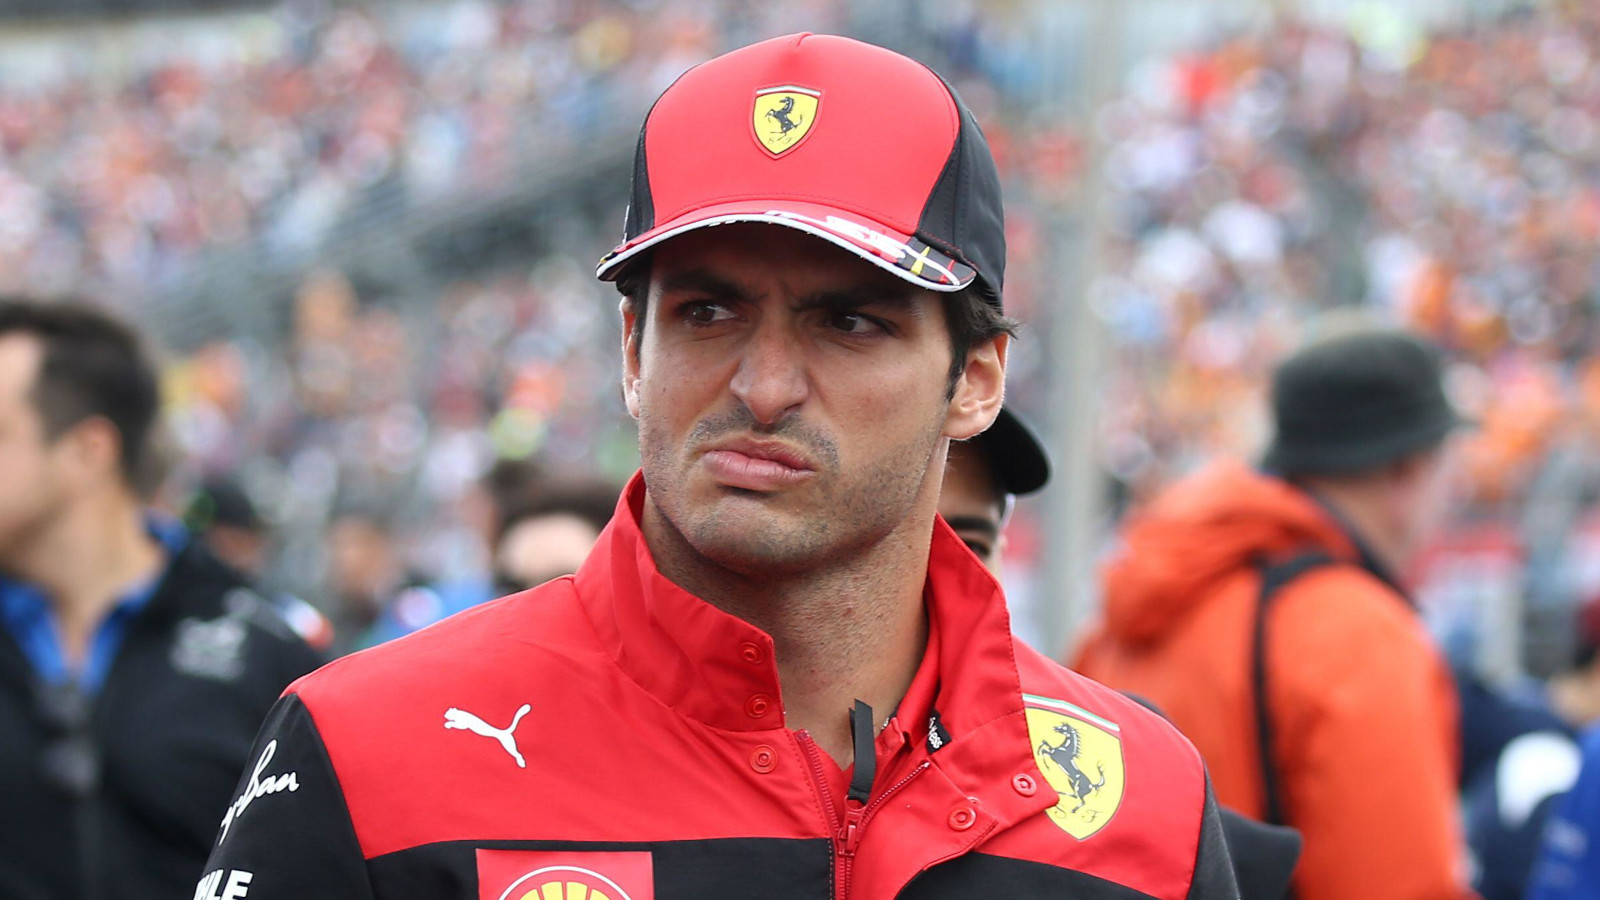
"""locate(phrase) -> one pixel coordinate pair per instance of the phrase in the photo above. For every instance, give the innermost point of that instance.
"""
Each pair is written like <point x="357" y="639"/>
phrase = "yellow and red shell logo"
<point x="550" y="875"/>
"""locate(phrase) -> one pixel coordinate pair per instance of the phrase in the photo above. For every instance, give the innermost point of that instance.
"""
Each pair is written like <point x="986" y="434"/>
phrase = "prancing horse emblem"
<point x="460" y="718"/>
<point x="1065" y="756"/>
<point x="1079" y="754"/>
<point x="783" y="116"/>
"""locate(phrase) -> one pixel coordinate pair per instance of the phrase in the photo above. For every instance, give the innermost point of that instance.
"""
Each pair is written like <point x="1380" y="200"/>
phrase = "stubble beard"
<point x="832" y="519"/>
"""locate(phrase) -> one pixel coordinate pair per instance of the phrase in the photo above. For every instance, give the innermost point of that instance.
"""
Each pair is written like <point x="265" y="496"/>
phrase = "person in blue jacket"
<point x="1568" y="867"/>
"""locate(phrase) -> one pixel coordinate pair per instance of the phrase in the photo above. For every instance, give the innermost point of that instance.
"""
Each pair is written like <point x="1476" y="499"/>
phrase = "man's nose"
<point x="771" y="379"/>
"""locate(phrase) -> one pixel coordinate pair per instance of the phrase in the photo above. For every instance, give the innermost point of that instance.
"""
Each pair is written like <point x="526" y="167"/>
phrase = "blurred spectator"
<point x="983" y="478"/>
<point x="365" y="573"/>
<point x="221" y="515"/>
<point x="549" y="533"/>
<point x="1240" y="600"/>
<point x="542" y="529"/>
<point x="1521" y="758"/>
<point x="1569" y="861"/>
<point x="1575" y="691"/>
<point x="1517" y="759"/>
<point x="1443" y="180"/>
<point x="135" y="665"/>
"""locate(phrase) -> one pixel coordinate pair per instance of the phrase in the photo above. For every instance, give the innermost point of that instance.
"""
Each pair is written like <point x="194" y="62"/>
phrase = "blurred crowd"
<point x="384" y="411"/>
<point x="278" y="126"/>
<point x="1447" y="181"/>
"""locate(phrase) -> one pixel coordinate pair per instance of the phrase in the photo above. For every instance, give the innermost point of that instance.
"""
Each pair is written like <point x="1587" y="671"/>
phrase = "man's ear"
<point x="980" y="391"/>
<point x="92" y="451"/>
<point x="630" y="355"/>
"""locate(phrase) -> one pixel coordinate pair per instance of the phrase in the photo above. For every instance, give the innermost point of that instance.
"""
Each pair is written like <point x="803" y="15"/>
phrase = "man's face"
<point x="361" y="562"/>
<point x="30" y="486"/>
<point x="792" y="398"/>
<point x="243" y="548"/>
<point x="973" y="504"/>
<point x="540" y="548"/>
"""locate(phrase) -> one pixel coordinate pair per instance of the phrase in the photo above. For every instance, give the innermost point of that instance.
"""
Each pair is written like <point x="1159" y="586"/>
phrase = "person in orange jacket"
<point x="1260" y="611"/>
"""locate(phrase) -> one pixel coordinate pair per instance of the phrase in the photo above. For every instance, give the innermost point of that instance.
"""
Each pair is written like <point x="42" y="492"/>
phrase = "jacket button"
<point x="752" y="653"/>
<point x="757" y="706"/>
<point x="1025" y="784"/>
<point x="763" y="759"/>
<point x="962" y="818"/>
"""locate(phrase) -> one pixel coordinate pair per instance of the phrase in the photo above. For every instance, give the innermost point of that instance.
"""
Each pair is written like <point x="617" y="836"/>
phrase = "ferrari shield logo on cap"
<point x="783" y="117"/>
<point x="1080" y="755"/>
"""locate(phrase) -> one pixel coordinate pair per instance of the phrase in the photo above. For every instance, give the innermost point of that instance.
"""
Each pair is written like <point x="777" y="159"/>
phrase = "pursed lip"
<point x="757" y="465"/>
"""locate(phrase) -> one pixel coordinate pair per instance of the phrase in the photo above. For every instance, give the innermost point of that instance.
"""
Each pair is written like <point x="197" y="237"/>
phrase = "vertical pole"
<point x="1074" y="505"/>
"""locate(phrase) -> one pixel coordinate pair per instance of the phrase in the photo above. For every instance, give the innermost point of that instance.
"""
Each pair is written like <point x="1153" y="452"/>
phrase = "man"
<point x="222" y="516"/>
<point x="776" y="675"/>
<point x="1261" y="613"/>
<point x="365" y="575"/>
<point x="541" y="530"/>
<point x="982" y="479"/>
<point x="134" y="667"/>
<point x="548" y="532"/>
<point x="1568" y="866"/>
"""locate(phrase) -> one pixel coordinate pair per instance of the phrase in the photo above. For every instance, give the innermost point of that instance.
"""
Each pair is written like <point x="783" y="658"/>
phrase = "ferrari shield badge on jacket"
<point x="608" y="736"/>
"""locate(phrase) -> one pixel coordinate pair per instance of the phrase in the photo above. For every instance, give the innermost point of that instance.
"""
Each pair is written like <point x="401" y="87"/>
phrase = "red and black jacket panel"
<point x="301" y="843"/>
<point x="614" y="718"/>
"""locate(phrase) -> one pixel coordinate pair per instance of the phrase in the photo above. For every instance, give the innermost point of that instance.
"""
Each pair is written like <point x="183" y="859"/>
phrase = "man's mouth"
<point x="757" y="465"/>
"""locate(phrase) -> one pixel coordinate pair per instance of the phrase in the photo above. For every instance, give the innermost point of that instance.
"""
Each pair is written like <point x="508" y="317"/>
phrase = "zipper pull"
<point x="853" y="815"/>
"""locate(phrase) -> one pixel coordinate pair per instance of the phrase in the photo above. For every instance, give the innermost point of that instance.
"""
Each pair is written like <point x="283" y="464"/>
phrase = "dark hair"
<point x="589" y="500"/>
<point x="969" y="317"/>
<point x="93" y="365"/>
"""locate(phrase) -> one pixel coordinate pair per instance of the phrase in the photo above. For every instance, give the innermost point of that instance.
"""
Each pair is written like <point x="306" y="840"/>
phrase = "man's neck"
<point x="853" y="629"/>
<point x="86" y="560"/>
<point x="1363" y="523"/>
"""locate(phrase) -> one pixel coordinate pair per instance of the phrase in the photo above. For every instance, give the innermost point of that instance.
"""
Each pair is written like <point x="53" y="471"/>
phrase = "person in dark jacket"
<point x="777" y="674"/>
<point x="134" y="667"/>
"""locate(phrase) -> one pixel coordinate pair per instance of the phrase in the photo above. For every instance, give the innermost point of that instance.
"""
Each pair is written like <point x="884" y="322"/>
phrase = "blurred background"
<point x="363" y="235"/>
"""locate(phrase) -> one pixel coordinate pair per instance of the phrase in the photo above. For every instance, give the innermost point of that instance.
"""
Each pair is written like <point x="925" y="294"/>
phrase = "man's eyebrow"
<point x="859" y="298"/>
<point x="702" y="281"/>
<point x="987" y="527"/>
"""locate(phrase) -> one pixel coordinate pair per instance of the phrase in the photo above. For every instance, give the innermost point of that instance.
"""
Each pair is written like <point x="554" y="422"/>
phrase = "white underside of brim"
<point x="807" y="225"/>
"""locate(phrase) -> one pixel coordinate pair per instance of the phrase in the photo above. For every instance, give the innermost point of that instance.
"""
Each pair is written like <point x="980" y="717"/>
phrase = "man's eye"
<point x="704" y="312"/>
<point x="979" y="548"/>
<point x="855" y="323"/>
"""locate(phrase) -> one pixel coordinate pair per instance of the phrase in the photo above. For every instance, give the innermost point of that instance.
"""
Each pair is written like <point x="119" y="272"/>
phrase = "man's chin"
<point x="757" y="542"/>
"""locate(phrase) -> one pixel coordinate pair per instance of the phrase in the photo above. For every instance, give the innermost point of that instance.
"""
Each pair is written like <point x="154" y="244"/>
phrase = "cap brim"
<point x="1017" y="456"/>
<point x="900" y="254"/>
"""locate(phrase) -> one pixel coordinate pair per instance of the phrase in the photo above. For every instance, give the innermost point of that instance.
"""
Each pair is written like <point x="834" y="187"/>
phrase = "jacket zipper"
<point x="856" y="815"/>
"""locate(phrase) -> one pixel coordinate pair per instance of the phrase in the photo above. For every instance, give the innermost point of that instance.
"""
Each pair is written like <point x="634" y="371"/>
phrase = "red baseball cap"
<point x="846" y="141"/>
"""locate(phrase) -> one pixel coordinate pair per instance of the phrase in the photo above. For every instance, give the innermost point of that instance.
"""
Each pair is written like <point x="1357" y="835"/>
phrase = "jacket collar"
<point x="1364" y="555"/>
<point x="712" y="667"/>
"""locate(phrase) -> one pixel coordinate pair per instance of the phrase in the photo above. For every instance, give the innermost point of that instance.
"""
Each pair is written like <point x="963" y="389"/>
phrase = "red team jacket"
<point x="608" y="736"/>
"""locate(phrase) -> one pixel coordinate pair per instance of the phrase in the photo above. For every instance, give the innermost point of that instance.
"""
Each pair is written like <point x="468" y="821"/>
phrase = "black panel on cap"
<point x="964" y="216"/>
<point x="641" y="215"/>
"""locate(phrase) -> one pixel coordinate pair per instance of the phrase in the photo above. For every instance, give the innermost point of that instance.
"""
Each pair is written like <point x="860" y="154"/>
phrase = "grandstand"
<point x="372" y="225"/>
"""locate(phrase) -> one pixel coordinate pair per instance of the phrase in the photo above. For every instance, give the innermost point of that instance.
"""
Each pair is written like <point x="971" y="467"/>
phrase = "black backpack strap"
<point x="1274" y="576"/>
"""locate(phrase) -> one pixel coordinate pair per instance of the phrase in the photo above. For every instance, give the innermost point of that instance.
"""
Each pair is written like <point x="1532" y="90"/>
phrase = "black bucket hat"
<point x="1357" y="401"/>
